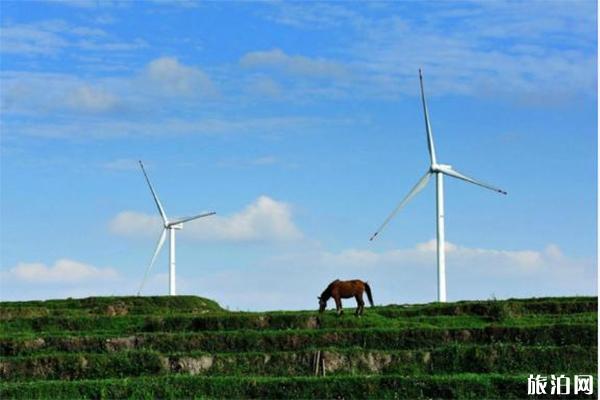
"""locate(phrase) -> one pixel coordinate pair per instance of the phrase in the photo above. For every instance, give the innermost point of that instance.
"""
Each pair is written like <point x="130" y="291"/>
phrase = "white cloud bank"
<point x="50" y="37"/>
<point x="296" y="65"/>
<point x="293" y="279"/>
<point x="547" y="53"/>
<point x="264" y="220"/>
<point x="491" y="262"/>
<point x="64" y="271"/>
<point x="165" y="78"/>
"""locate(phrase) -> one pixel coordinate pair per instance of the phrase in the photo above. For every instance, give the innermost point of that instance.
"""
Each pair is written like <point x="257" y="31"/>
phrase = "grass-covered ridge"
<point x="186" y="346"/>
<point x="108" y="306"/>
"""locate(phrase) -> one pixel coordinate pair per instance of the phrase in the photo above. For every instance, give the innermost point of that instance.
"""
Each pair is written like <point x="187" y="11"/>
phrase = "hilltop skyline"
<point x="301" y="126"/>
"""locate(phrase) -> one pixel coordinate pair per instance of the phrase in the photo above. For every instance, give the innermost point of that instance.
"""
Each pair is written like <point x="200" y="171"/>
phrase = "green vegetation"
<point x="109" y="306"/>
<point x="189" y="347"/>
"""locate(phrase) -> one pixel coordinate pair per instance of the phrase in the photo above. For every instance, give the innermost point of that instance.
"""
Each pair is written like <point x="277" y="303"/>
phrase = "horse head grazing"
<point x="325" y="296"/>
<point x="322" y="304"/>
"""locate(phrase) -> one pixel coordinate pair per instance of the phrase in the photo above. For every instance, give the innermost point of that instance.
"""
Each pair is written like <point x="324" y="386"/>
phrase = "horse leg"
<point x="360" y="305"/>
<point x="338" y="305"/>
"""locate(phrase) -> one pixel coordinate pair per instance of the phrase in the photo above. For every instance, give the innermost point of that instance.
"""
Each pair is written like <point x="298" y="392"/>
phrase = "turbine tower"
<point x="439" y="170"/>
<point x="170" y="226"/>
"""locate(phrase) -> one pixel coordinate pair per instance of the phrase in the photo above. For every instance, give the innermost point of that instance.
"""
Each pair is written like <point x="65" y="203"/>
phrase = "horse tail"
<point x="368" y="290"/>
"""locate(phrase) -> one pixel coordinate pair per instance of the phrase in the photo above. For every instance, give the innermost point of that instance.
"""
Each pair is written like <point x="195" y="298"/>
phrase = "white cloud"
<point x="534" y="53"/>
<point x="110" y="46"/>
<point x="294" y="64"/>
<point x="264" y="86"/>
<point x="173" y="78"/>
<point x="25" y="39"/>
<point x="265" y="220"/>
<point x="500" y="50"/>
<point x="313" y="16"/>
<point x="32" y="93"/>
<point x="496" y="262"/>
<point x="48" y="37"/>
<point x="131" y="223"/>
<point x="64" y="271"/>
<point x="432" y="246"/>
<point x="92" y="99"/>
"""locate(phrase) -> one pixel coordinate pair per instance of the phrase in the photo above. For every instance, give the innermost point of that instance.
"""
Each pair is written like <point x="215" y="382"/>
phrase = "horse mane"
<point x="327" y="292"/>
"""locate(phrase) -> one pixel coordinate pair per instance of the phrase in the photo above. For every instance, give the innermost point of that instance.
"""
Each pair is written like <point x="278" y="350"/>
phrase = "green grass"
<point x="189" y="347"/>
<point x="165" y="305"/>
<point x="152" y="305"/>
<point x="464" y="386"/>
<point x="183" y="323"/>
<point x="501" y="358"/>
<point x="273" y="340"/>
<point x="130" y="324"/>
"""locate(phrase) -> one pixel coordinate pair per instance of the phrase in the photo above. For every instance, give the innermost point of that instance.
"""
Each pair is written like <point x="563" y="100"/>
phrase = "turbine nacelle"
<point x="177" y="226"/>
<point x="443" y="168"/>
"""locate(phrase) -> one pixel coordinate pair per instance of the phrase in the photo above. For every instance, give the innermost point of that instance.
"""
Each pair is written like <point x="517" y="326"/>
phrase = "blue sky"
<point x="300" y="124"/>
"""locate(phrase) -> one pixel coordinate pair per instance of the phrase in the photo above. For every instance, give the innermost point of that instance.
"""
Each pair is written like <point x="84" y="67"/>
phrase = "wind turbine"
<point x="439" y="170"/>
<point x="171" y="226"/>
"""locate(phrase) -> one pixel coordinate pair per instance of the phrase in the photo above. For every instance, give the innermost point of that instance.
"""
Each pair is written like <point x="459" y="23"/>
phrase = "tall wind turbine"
<point x="439" y="170"/>
<point x="171" y="226"/>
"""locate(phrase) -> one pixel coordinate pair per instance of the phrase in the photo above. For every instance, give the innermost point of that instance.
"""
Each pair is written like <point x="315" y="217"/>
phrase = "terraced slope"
<point x="188" y="347"/>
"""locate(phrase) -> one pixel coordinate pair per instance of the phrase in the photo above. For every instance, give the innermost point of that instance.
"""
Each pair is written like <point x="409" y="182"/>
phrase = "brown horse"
<point x="343" y="290"/>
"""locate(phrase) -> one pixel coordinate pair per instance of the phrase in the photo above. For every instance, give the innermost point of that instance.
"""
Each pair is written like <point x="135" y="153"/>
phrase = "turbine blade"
<point x="156" y="200"/>
<point x="159" y="245"/>
<point x="430" y="144"/>
<point x="452" y="172"/>
<point x="416" y="189"/>
<point x="186" y="219"/>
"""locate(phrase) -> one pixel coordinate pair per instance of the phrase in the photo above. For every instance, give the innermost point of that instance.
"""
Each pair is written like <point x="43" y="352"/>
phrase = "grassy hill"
<point x="188" y="347"/>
